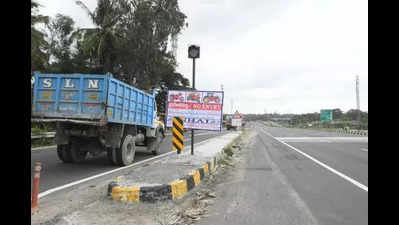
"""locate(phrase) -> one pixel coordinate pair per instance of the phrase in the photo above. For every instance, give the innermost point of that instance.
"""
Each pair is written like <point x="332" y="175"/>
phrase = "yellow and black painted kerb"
<point x="152" y="194"/>
<point x="178" y="136"/>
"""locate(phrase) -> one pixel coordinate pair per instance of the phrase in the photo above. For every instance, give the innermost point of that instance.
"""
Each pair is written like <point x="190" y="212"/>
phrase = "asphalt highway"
<point x="55" y="173"/>
<point x="296" y="176"/>
<point x="332" y="198"/>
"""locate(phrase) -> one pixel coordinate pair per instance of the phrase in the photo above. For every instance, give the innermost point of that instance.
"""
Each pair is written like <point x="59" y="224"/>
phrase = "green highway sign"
<point x="326" y="115"/>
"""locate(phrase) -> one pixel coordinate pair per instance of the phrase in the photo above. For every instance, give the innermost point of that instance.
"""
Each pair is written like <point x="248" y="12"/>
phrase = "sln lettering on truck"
<point x="93" y="84"/>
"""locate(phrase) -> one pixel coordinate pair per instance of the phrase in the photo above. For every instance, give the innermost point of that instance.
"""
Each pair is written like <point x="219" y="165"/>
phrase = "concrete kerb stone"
<point x="151" y="194"/>
<point x="156" y="193"/>
<point x="174" y="190"/>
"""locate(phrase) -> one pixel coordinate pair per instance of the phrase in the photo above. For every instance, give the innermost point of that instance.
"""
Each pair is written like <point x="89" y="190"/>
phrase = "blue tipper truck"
<point x="95" y="113"/>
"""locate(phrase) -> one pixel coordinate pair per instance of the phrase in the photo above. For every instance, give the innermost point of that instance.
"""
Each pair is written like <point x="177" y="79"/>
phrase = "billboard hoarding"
<point x="201" y="110"/>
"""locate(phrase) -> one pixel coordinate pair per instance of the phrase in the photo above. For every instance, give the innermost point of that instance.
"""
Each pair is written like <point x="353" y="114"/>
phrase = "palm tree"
<point x="101" y="41"/>
<point x="39" y="46"/>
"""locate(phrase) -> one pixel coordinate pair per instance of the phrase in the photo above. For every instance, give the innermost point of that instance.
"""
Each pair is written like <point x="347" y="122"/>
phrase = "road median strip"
<point x="150" y="161"/>
<point x="175" y="189"/>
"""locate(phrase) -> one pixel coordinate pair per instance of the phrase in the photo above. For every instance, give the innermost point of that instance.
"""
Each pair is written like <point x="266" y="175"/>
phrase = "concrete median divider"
<point x="155" y="191"/>
<point x="173" y="190"/>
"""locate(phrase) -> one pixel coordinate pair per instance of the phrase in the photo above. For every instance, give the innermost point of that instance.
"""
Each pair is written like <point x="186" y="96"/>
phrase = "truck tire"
<point x="77" y="155"/>
<point x="64" y="153"/>
<point x="125" y="154"/>
<point x="154" y="143"/>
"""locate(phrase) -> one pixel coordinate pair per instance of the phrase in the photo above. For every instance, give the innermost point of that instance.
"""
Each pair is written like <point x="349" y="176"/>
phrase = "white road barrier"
<point x="43" y="135"/>
<point x="355" y="132"/>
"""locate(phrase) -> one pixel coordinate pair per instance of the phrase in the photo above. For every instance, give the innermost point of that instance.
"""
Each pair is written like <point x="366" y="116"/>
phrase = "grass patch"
<point x="228" y="151"/>
<point x="224" y="161"/>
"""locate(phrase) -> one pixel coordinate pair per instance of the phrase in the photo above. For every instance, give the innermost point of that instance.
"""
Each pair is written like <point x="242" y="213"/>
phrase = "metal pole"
<point x="357" y="99"/>
<point x="192" y="130"/>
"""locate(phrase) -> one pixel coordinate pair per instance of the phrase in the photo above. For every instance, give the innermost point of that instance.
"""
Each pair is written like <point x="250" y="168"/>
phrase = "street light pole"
<point x="192" y="130"/>
<point x="193" y="52"/>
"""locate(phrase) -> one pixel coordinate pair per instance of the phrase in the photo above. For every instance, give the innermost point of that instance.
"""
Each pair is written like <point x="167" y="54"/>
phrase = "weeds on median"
<point x="228" y="151"/>
<point x="224" y="161"/>
<point x="234" y="145"/>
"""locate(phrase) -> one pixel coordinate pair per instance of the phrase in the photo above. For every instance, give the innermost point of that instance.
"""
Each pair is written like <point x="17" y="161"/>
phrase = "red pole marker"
<point x="35" y="192"/>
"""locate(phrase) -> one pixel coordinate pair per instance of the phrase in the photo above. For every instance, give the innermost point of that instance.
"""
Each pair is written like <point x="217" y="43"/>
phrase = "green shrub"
<point x="228" y="151"/>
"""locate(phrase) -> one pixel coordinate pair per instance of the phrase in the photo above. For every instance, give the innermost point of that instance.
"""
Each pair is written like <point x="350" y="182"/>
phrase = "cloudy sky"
<point x="284" y="56"/>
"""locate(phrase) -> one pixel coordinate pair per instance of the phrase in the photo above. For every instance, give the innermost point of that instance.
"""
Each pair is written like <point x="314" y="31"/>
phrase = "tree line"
<point x="340" y="119"/>
<point x="129" y="40"/>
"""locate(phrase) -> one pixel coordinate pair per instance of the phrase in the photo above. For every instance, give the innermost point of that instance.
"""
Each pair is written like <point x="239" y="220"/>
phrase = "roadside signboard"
<point x="200" y="110"/>
<point x="326" y="115"/>
<point x="237" y="120"/>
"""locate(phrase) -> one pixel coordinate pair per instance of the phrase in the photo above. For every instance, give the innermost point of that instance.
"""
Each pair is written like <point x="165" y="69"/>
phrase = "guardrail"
<point x="355" y="132"/>
<point x="43" y="135"/>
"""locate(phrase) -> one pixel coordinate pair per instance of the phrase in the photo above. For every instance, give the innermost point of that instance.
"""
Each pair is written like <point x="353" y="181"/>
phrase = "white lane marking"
<point x="323" y="139"/>
<point x="45" y="193"/>
<point x="356" y="183"/>
<point x="364" y="149"/>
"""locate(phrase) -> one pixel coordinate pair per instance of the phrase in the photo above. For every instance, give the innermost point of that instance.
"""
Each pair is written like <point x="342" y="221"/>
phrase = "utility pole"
<point x="357" y="99"/>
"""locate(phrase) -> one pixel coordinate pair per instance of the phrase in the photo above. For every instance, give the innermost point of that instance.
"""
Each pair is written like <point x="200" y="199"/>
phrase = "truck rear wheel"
<point x="64" y="153"/>
<point x="76" y="154"/>
<point x="125" y="154"/>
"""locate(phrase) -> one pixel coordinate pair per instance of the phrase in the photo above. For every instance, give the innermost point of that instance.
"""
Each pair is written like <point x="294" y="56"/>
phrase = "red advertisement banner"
<point x="195" y="106"/>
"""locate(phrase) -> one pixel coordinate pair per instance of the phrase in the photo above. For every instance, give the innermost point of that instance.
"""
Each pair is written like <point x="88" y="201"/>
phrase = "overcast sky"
<point x="284" y="56"/>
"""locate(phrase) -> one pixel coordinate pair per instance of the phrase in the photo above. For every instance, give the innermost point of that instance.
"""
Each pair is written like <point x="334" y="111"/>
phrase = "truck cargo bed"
<point x="90" y="98"/>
